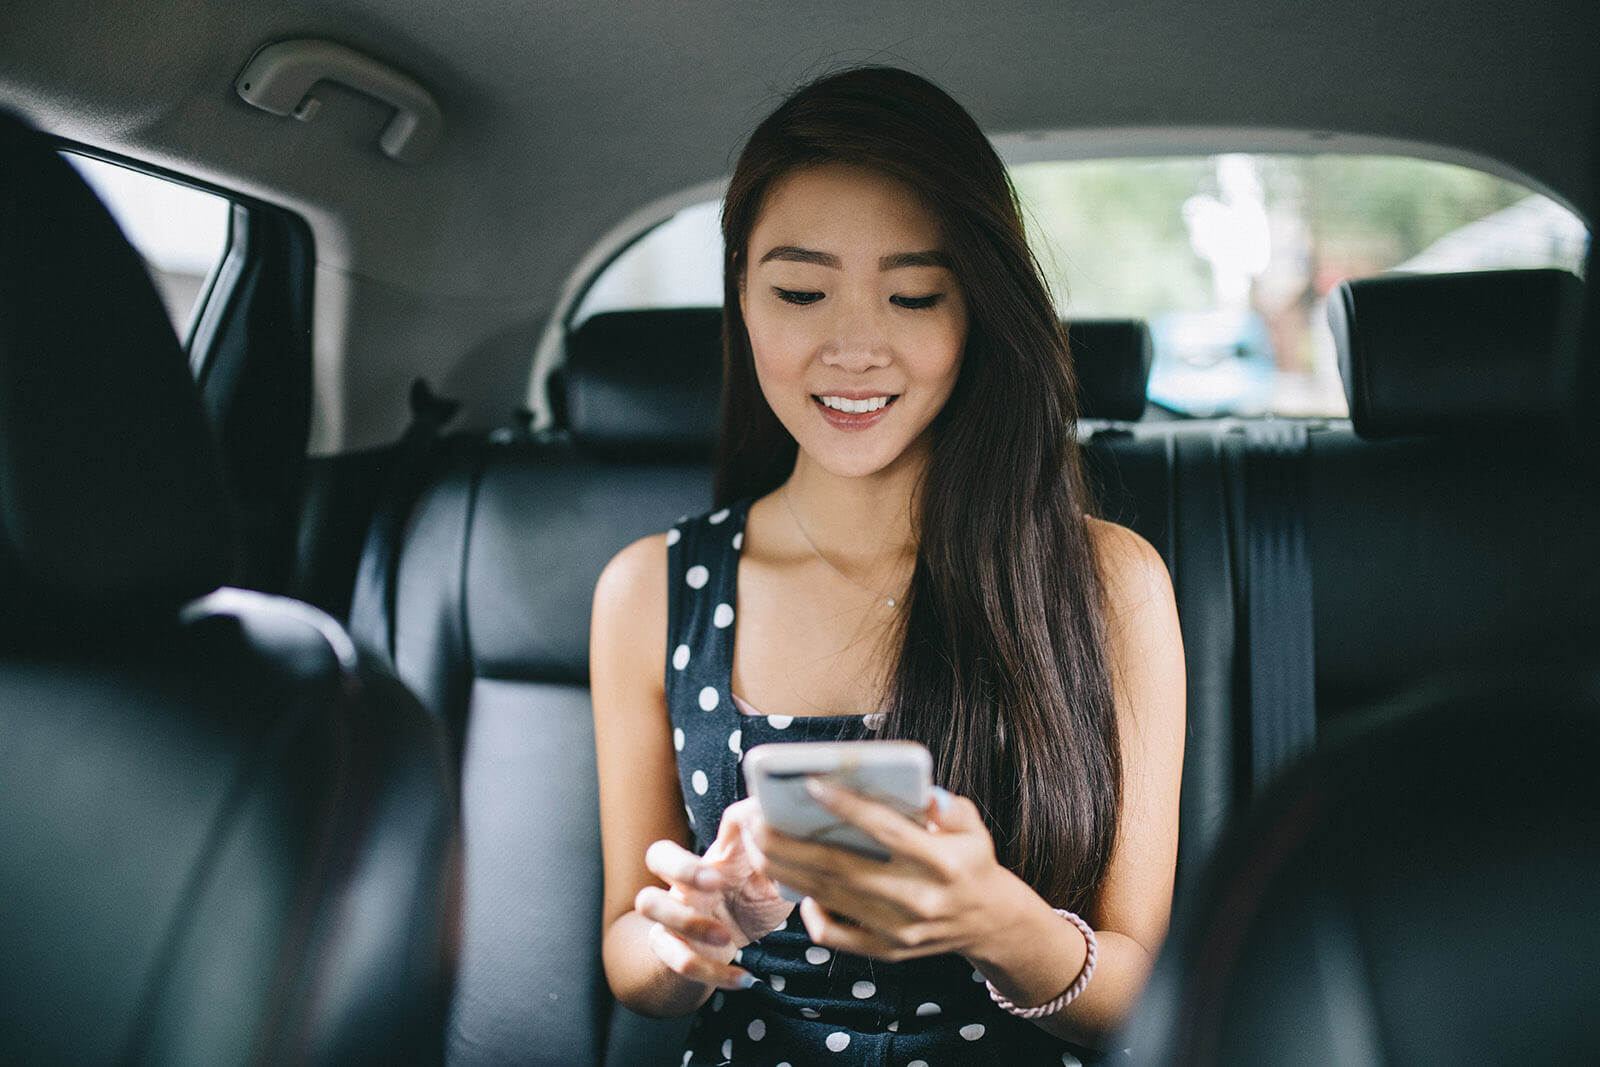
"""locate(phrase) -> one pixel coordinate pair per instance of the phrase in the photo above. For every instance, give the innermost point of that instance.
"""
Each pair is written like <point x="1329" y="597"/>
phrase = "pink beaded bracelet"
<point x="1073" y="990"/>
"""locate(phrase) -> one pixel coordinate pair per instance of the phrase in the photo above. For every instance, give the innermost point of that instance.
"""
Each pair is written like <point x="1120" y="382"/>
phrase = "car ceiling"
<point x="563" y="117"/>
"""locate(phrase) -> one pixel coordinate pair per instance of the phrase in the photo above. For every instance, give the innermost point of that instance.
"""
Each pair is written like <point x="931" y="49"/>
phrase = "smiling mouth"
<point x="848" y="406"/>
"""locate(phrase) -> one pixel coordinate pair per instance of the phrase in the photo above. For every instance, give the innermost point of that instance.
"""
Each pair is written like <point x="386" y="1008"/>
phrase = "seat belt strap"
<point x="1282" y="673"/>
<point x="372" y="601"/>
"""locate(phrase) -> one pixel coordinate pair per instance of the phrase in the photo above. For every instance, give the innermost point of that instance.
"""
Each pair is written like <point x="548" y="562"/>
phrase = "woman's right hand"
<point x="715" y="904"/>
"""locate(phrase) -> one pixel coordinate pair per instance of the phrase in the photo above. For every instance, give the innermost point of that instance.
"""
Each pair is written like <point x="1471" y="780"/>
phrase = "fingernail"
<point x="941" y="799"/>
<point x="820" y="790"/>
<point x="746" y="980"/>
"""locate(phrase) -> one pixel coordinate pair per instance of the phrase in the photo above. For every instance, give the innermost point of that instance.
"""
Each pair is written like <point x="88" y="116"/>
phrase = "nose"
<point x="859" y="339"/>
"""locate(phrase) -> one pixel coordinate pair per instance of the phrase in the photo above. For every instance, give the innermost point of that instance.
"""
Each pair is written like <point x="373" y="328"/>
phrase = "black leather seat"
<point x="1455" y="525"/>
<point x="1421" y="892"/>
<point x="227" y="837"/>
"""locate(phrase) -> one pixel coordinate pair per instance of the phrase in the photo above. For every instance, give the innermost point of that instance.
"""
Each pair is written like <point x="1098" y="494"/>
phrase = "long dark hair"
<point x="1002" y="669"/>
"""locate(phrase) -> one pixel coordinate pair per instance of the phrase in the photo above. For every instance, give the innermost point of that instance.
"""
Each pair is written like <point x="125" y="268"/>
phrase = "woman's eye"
<point x="797" y="296"/>
<point x="916" y="302"/>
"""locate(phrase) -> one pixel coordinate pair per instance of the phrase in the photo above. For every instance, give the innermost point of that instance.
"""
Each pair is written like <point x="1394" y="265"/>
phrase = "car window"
<point x="1229" y="258"/>
<point x="181" y="232"/>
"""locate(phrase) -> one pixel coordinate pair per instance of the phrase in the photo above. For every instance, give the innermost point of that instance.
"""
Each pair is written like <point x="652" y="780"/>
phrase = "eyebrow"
<point x="896" y="261"/>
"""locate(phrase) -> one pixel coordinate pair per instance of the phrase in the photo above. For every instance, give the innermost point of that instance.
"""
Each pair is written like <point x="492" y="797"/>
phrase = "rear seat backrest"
<point x="493" y="588"/>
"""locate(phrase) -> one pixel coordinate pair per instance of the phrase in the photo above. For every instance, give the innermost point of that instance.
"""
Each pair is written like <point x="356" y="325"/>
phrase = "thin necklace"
<point x="887" y="599"/>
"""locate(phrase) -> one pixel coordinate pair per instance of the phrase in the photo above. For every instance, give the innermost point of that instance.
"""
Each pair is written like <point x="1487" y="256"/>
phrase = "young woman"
<point x="901" y="550"/>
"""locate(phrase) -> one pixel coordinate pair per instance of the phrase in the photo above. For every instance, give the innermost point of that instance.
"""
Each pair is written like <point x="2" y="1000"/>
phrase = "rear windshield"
<point x="1228" y="258"/>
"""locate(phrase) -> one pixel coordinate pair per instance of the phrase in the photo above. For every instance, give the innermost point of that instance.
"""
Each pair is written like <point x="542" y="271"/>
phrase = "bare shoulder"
<point x="628" y="632"/>
<point x="638" y="572"/>
<point x="1133" y="574"/>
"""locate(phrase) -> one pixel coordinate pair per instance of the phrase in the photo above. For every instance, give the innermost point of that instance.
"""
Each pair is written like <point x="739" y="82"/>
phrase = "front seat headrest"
<point x="113" y="509"/>
<point x="1422" y="891"/>
<point x="1445" y="353"/>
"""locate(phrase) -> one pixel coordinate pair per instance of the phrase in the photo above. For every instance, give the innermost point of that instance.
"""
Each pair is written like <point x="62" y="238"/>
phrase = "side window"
<point x="181" y="232"/>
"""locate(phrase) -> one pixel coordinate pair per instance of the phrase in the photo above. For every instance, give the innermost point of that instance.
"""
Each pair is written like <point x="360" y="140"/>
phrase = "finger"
<point x="951" y="813"/>
<point x="736" y="819"/>
<point x="676" y="865"/>
<point x="877" y="820"/>
<point x="830" y="930"/>
<point x="678" y="917"/>
<point x="681" y="958"/>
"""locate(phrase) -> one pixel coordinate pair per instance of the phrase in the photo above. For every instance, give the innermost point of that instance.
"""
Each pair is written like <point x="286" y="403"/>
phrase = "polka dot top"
<point x="811" y="1005"/>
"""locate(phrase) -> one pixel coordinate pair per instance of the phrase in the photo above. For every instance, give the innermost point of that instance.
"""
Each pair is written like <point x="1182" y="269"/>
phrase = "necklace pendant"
<point x="890" y="600"/>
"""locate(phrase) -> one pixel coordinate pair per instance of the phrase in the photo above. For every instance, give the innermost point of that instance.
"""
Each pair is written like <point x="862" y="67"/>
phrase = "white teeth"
<point x="854" y="407"/>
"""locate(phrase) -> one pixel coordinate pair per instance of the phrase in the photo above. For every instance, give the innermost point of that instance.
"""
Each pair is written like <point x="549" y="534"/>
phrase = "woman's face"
<point x="855" y="318"/>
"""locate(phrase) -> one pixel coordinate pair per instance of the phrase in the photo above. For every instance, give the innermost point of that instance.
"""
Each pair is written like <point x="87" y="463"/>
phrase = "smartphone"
<point x="896" y="773"/>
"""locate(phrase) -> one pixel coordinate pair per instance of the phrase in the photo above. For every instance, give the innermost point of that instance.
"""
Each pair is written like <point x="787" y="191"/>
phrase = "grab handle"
<point x="280" y="76"/>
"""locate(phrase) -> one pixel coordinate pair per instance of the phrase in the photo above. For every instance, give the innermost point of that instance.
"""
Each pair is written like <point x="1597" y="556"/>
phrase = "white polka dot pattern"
<point x="838" y="1041"/>
<point x="722" y="617"/>
<point x="917" y="1063"/>
<point x="811" y="1013"/>
<point x="777" y="982"/>
<point x="930" y="1008"/>
<point x="817" y="955"/>
<point x="780" y="722"/>
<point x="717" y="1000"/>
<point x="863" y="990"/>
<point x="700" y="783"/>
<point x="717" y="518"/>
<point x="727" y="1049"/>
<point x="687" y="1056"/>
<point x="738" y="541"/>
<point x="677" y="739"/>
<point x="734" y="740"/>
<point x="873" y="720"/>
<point x="696" y="577"/>
<point x="757" y="1029"/>
<point x="1069" y="1060"/>
<point x="708" y="699"/>
<point x="674" y="535"/>
<point x="680" y="657"/>
<point x="972" y="1031"/>
<point x="894" y="1027"/>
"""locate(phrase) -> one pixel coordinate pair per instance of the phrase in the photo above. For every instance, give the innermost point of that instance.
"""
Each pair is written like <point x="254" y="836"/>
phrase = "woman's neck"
<point x="859" y="524"/>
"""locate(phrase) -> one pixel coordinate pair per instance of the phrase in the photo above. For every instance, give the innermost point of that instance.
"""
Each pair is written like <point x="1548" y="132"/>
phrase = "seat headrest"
<point x="113" y="509"/>
<point x="1447" y="353"/>
<point x="646" y="384"/>
<point x="1112" y="360"/>
<point x="1343" y="920"/>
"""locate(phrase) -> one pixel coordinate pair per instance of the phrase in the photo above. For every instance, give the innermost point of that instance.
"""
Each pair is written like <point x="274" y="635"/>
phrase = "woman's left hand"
<point x="941" y="890"/>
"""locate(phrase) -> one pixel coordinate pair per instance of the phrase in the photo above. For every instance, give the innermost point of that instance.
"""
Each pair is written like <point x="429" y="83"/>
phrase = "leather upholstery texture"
<point x="111" y="498"/>
<point x="1458" y="353"/>
<point x="228" y="836"/>
<point x="1111" y="358"/>
<point x="1422" y="892"/>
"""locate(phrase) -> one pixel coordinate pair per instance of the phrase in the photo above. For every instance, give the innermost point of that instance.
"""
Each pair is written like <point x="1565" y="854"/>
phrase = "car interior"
<point x="298" y="748"/>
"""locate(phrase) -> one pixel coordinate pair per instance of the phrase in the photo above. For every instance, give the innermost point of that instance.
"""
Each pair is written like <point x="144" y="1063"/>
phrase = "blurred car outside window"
<point x="181" y="232"/>
<point x="1229" y="258"/>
